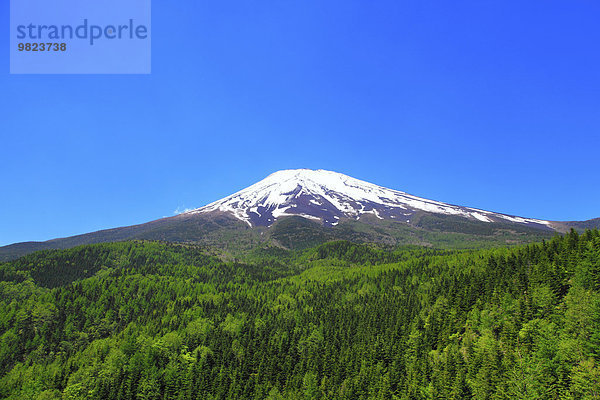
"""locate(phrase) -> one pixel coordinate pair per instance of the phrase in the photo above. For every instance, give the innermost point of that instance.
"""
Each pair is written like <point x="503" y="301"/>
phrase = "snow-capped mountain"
<point x="329" y="197"/>
<point x="334" y="207"/>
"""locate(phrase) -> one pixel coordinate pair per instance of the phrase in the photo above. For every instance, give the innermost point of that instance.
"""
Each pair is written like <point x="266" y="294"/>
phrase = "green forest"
<point x="150" y="320"/>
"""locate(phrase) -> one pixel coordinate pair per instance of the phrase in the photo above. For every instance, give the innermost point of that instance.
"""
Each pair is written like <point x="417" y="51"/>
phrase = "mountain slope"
<point x="299" y="208"/>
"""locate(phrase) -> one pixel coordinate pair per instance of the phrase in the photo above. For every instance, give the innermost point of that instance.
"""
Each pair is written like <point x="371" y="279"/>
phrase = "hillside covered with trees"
<point x="148" y="320"/>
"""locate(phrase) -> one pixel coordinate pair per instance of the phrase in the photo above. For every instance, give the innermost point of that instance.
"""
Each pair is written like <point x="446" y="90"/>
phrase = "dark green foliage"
<point x="453" y="223"/>
<point x="53" y="268"/>
<point x="300" y="233"/>
<point x="144" y="320"/>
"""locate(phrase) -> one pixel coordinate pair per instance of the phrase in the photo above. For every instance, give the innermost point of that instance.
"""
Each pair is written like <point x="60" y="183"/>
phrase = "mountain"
<point x="328" y="197"/>
<point x="301" y="208"/>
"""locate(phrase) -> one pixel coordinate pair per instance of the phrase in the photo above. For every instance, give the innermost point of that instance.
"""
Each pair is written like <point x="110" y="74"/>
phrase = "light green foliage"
<point x="137" y="320"/>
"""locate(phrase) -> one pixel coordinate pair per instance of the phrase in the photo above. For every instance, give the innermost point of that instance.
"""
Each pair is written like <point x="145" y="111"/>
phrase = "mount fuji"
<point x="303" y="207"/>
<point x="328" y="197"/>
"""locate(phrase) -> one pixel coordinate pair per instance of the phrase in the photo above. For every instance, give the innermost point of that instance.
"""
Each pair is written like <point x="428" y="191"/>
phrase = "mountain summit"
<point x="328" y="197"/>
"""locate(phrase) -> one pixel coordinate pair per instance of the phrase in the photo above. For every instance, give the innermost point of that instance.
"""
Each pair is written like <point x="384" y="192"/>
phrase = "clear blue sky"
<point x="490" y="104"/>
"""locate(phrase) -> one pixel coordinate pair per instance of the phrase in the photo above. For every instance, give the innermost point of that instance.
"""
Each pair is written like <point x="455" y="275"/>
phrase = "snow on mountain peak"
<point x="329" y="196"/>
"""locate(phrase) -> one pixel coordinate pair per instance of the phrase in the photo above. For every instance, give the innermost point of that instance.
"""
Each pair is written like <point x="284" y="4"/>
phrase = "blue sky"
<point x="490" y="104"/>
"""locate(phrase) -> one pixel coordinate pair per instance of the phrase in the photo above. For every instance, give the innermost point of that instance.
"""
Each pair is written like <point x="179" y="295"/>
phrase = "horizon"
<point x="489" y="106"/>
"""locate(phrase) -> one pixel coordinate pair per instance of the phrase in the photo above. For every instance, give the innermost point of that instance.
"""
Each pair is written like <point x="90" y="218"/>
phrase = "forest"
<point x="151" y="320"/>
